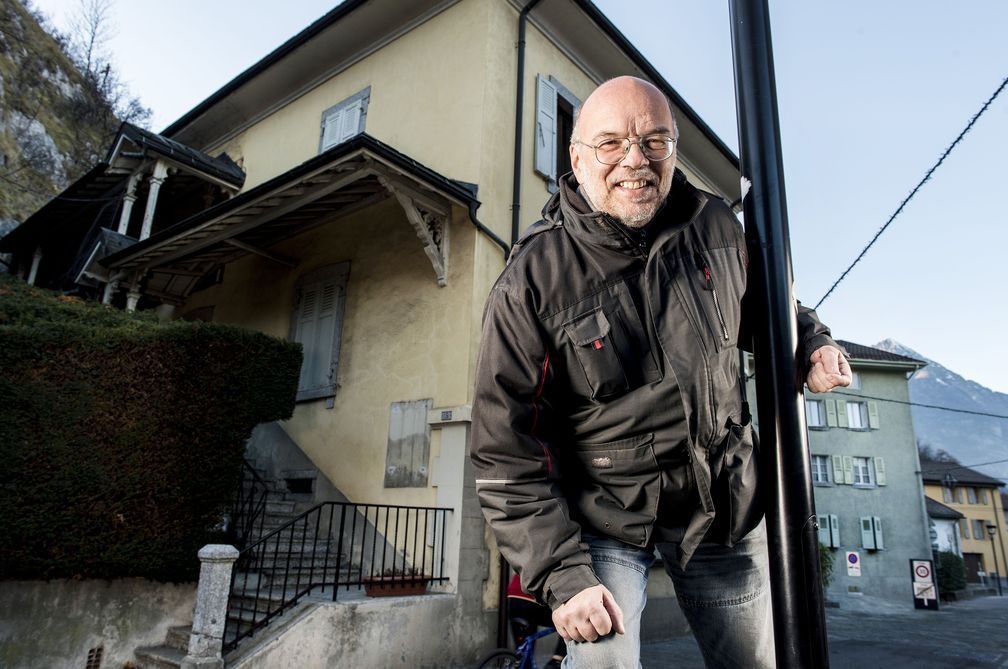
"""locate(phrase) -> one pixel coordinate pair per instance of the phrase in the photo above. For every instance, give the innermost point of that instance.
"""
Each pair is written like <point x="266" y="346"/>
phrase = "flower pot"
<point x="395" y="586"/>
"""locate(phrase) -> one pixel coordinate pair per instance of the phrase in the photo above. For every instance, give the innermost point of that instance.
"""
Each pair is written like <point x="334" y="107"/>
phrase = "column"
<point x="128" y="199"/>
<point x="33" y="272"/>
<point x="216" y="562"/>
<point x="156" y="179"/>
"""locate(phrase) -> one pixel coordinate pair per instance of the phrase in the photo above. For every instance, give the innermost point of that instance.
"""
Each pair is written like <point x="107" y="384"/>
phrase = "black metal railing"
<point x="249" y="513"/>
<point x="331" y="546"/>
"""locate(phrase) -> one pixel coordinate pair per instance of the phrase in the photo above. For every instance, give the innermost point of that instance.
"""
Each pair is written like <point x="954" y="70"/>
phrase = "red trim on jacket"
<point x="535" y="414"/>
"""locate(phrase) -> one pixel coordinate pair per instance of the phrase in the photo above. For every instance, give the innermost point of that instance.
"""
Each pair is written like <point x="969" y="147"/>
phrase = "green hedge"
<point x="951" y="573"/>
<point x="121" y="439"/>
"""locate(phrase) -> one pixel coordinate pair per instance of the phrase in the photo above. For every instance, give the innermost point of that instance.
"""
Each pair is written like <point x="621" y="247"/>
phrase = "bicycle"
<point x="523" y="657"/>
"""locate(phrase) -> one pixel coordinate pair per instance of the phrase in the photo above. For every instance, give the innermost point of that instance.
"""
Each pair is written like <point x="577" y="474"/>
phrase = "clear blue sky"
<point x="870" y="95"/>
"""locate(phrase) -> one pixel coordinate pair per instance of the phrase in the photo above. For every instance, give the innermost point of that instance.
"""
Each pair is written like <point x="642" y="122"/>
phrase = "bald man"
<point x="608" y="418"/>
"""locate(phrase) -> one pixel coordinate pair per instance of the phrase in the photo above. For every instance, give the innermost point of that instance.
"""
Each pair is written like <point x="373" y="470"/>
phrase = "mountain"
<point x="971" y="439"/>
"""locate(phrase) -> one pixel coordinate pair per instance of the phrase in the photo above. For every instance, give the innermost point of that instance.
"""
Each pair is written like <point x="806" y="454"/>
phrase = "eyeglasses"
<point x="612" y="151"/>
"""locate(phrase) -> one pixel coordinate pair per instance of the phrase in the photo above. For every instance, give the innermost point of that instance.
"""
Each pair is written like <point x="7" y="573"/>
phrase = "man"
<point x="608" y="417"/>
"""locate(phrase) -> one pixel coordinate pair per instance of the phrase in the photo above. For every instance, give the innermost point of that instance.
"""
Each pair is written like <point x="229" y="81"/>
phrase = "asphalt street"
<point x="963" y="635"/>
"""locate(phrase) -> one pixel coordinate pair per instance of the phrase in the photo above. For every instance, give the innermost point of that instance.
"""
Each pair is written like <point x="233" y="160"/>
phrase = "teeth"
<point x="632" y="184"/>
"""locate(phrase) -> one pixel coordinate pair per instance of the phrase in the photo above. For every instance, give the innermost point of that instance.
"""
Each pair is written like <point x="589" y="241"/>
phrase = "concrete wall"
<point x="53" y="624"/>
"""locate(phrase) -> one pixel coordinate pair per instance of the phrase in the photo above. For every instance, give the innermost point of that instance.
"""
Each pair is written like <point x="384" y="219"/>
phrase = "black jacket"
<point x="607" y="390"/>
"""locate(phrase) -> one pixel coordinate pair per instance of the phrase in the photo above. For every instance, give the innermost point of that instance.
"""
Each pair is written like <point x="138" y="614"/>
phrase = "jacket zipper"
<point x="717" y="305"/>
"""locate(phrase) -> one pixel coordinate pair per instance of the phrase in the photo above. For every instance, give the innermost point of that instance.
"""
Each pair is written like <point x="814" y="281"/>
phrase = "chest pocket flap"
<point x="597" y="349"/>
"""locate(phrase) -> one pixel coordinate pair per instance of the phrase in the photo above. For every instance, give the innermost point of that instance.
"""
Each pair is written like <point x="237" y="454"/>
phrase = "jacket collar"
<point x="569" y="208"/>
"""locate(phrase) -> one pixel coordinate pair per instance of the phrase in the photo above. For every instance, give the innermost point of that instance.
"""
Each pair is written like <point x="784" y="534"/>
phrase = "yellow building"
<point x="982" y="537"/>
<point x="358" y="190"/>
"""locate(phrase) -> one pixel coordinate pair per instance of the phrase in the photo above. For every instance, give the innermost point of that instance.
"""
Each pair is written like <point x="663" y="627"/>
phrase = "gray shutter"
<point x="350" y="123"/>
<point x="841" y="413"/>
<point x="838" y="470"/>
<point x="546" y="128"/>
<point x="873" y="415"/>
<point x="848" y="469"/>
<point x="867" y="532"/>
<point x="332" y="126"/>
<point x="305" y="332"/>
<point x="317" y="324"/>
<point x="880" y="478"/>
<point x="877" y="531"/>
<point x="831" y="413"/>
<point x="834" y="531"/>
<point x="823" y="521"/>
<point x="408" y="444"/>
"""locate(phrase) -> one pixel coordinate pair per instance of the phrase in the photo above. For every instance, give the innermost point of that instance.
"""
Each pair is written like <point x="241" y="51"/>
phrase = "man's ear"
<point x="575" y="158"/>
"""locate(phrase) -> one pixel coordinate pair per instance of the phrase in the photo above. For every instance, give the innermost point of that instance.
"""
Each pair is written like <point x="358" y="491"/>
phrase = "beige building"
<point x="357" y="190"/>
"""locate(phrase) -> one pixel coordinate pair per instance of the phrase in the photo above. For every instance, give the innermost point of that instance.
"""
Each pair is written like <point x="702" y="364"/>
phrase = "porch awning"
<point x="351" y="176"/>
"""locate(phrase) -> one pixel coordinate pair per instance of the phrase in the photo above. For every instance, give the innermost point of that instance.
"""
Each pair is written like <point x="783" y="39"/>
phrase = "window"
<point x="555" y="107"/>
<point x="871" y="533"/>
<point x="317" y="324"/>
<point x="979" y="530"/>
<point x="857" y="415"/>
<point x="829" y="530"/>
<point x="983" y="496"/>
<point x="964" y="529"/>
<point x="408" y="444"/>
<point x="971" y="495"/>
<point x="820" y="469"/>
<point x="946" y="494"/>
<point x="862" y="471"/>
<point x="958" y="492"/>
<point x="855" y="383"/>
<point x="344" y="120"/>
<point x="815" y="413"/>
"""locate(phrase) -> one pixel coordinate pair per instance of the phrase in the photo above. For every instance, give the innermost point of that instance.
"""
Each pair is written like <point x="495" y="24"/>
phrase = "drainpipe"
<point x="487" y="231"/>
<point x="519" y="103"/>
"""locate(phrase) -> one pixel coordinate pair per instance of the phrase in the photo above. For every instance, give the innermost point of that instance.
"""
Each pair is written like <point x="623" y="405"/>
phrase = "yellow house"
<point x="386" y="157"/>
<point x="983" y="540"/>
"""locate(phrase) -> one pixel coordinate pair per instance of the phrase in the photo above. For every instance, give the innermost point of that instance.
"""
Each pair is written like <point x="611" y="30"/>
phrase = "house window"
<point x="408" y="444"/>
<point x="971" y="495"/>
<point x="855" y="383"/>
<point x="344" y="120"/>
<point x="815" y="413"/>
<point x="958" y="492"/>
<point x="820" y="469"/>
<point x="863" y="471"/>
<point x="947" y="494"/>
<point x="317" y="324"/>
<point x="555" y="107"/>
<point x="857" y="415"/>
<point x="964" y="529"/>
<point x="979" y="531"/>
<point x="983" y="496"/>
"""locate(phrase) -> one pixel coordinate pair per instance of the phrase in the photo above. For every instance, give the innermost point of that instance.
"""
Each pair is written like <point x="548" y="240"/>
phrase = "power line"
<point x="914" y="191"/>
<point x="959" y="466"/>
<point x="918" y="404"/>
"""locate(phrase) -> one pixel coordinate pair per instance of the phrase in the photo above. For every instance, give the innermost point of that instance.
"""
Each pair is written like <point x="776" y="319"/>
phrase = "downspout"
<point x="487" y="231"/>
<point x="519" y="104"/>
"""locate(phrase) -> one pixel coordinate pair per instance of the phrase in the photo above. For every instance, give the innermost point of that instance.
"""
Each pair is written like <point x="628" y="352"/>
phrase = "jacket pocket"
<point x="737" y="491"/>
<point x="597" y="344"/>
<point x="619" y="488"/>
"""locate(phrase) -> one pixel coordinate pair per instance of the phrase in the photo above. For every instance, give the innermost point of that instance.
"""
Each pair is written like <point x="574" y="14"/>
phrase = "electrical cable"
<point x="918" y="404"/>
<point x="914" y="191"/>
<point x="959" y="466"/>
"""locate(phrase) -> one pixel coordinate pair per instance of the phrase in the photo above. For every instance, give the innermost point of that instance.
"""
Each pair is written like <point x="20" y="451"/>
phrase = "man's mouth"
<point x="632" y="185"/>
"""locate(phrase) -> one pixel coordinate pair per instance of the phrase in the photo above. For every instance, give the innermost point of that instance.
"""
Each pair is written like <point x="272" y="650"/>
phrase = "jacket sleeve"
<point x="517" y="477"/>
<point x="812" y="335"/>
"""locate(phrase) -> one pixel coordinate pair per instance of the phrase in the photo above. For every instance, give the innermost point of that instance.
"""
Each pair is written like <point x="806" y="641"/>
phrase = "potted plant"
<point x="396" y="582"/>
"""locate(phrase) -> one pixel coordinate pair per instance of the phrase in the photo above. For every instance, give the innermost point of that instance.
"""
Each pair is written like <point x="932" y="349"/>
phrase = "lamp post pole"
<point x="991" y="531"/>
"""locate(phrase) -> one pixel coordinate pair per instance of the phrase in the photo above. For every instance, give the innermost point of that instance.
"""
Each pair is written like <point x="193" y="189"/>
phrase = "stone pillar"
<point x="128" y="199"/>
<point x="216" y="561"/>
<point x="132" y="297"/>
<point x="33" y="272"/>
<point x="110" y="288"/>
<point x="156" y="179"/>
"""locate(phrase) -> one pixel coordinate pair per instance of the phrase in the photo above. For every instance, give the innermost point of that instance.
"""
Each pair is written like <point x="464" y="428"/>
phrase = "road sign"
<point x="853" y="563"/>
<point x="925" y="592"/>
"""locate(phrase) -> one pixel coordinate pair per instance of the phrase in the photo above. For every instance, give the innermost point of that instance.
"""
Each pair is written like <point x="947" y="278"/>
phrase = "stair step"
<point x="178" y="637"/>
<point x="160" y="657"/>
<point x="279" y="506"/>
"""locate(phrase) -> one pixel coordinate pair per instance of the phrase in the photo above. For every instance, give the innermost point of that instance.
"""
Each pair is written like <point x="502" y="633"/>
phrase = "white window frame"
<point x="864" y="475"/>
<point x="815" y="414"/>
<point x="857" y="415"/>
<point x="821" y="470"/>
<point x="321" y="347"/>
<point x="344" y="120"/>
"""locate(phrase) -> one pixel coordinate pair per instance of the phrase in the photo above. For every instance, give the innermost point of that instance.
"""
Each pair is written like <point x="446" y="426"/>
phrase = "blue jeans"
<point x="723" y="592"/>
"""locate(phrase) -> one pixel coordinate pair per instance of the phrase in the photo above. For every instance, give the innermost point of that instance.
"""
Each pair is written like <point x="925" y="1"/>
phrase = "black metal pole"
<point x="799" y="617"/>
<point x="997" y="576"/>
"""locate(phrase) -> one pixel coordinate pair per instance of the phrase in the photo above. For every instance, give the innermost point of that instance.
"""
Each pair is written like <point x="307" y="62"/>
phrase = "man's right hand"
<point x="588" y="615"/>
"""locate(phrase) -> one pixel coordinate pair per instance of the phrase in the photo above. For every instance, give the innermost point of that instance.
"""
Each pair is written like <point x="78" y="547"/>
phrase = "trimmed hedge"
<point x="951" y="573"/>
<point x="121" y="438"/>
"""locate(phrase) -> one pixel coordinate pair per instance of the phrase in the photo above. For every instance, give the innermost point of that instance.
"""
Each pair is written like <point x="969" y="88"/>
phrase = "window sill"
<point x="818" y="428"/>
<point x="822" y="484"/>
<point x="864" y="486"/>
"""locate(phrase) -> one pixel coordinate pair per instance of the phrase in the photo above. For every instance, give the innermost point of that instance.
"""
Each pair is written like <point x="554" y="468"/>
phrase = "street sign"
<point x="925" y="592"/>
<point x="853" y="563"/>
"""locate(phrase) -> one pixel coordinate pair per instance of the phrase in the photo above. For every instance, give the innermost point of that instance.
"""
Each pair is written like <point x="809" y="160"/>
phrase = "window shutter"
<point x="877" y="530"/>
<point x="408" y="444"/>
<point x="880" y="471"/>
<point x="545" y="130"/>
<point x="332" y="126"/>
<point x="867" y="533"/>
<point x="848" y="469"/>
<point x="838" y="470"/>
<point x="831" y="413"/>
<point x="317" y="325"/>
<point x="834" y="531"/>
<point x="841" y="413"/>
<point x="350" y="122"/>
<point x="873" y="416"/>
<point x="824" y="529"/>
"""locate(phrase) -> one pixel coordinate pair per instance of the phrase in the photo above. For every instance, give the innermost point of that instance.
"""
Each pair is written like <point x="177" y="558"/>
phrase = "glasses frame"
<point x="671" y="142"/>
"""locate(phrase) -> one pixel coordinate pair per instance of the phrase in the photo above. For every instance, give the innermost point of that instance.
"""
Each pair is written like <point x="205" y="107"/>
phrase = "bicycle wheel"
<point x="500" y="659"/>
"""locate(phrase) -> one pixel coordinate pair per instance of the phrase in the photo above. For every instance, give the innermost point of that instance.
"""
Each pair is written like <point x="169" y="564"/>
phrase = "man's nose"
<point x="635" y="156"/>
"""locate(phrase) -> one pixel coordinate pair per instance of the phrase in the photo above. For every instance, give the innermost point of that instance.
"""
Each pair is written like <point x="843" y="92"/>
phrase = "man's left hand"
<point x="829" y="370"/>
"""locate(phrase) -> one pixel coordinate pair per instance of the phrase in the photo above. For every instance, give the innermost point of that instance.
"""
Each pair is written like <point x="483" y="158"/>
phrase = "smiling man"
<point x="608" y="419"/>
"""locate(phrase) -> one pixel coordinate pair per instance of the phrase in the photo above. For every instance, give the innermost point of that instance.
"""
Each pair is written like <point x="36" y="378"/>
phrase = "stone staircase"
<point x="289" y="561"/>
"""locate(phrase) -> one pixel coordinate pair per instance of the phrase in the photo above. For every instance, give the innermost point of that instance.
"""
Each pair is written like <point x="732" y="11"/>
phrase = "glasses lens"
<point x="611" y="151"/>
<point x="656" y="147"/>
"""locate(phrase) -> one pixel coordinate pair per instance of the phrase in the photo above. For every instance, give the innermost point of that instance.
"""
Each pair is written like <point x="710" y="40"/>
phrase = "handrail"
<point x="331" y="546"/>
<point x="250" y="505"/>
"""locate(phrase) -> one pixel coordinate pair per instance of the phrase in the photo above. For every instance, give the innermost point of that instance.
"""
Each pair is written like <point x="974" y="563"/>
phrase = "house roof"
<point x="860" y="352"/>
<point x="357" y="28"/>
<point x="936" y="509"/>
<point x="951" y="472"/>
<point x="350" y="176"/>
<point x="221" y="167"/>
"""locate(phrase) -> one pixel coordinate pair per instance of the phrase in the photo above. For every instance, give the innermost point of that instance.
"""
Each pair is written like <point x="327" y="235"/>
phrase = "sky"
<point x="870" y="95"/>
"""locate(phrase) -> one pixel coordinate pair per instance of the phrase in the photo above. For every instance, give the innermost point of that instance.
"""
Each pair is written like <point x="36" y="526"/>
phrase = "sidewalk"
<point x="963" y="635"/>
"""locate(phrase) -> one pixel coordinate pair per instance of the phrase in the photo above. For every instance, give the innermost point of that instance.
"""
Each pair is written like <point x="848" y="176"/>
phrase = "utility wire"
<point x="917" y="404"/>
<point x="914" y="191"/>
<point x="959" y="466"/>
